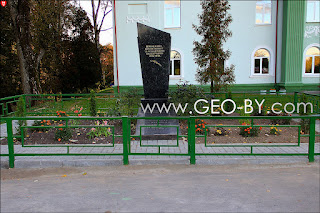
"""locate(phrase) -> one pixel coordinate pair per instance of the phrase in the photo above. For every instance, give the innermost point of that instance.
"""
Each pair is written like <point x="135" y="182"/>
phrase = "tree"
<point x="9" y="64"/>
<point x="100" y="7"/>
<point x="81" y="67"/>
<point x="209" y="53"/>
<point x="106" y="58"/>
<point x="50" y="31"/>
<point x="29" y="59"/>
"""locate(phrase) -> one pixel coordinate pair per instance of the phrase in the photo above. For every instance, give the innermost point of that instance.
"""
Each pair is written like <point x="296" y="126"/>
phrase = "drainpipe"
<point x="115" y="34"/>
<point x="276" y="56"/>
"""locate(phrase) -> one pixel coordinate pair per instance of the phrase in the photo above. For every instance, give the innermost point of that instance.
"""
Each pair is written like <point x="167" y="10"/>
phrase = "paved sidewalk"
<point x="102" y="160"/>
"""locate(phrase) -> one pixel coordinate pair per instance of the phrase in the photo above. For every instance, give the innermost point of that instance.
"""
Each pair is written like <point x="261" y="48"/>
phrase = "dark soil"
<point x="79" y="135"/>
<point x="287" y="134"/>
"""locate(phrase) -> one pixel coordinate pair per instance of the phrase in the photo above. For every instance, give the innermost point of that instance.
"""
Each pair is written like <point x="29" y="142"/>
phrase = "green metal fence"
<point x="127" y="135"/>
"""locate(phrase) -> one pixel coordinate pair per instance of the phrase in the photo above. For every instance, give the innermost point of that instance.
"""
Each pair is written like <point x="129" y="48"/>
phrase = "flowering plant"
<point x="61" y="114"/>
<point x="77" y="110"/>
<point x="41" y="123"/>
<point x="201" y="127"/>
<point x="101" y="130"/>
<point x="249" y="131"/>
<point x="220" y="131"/>
<point x="275" y="131"/>
<point x="63" y="134"/>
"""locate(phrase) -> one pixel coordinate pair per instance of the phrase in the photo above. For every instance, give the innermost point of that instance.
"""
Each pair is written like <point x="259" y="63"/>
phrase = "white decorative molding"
<point x="311" y="30"/>
<point x="133" y="19"/>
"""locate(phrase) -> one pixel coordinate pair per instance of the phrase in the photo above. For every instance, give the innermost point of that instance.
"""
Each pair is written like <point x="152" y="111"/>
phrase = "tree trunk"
<point x="29" y="63"/>
<point x="211" y="86"/>
<point x="23" y="71"/>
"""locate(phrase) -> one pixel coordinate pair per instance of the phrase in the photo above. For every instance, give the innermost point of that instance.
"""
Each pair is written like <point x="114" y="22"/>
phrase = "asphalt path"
<point x="163" y="188"/>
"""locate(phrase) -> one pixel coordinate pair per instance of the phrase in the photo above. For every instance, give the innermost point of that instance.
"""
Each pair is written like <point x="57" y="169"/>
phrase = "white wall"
<point x="247" y="36"/>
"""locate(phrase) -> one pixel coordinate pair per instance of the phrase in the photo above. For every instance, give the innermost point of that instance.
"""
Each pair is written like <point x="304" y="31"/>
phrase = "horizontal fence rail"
<point x="183" y="144"/>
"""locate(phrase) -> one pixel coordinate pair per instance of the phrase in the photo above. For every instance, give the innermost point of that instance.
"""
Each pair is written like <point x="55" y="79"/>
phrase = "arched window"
<point x="261" y="62"/>
<point x="312" y="61"/>
<point x="175" y="66"/>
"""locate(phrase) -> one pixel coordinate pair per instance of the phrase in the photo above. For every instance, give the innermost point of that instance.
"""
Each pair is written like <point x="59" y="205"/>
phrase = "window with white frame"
<point x="313" y="11"/>
<point x="261" y="62"/>
<point x="172" y="13"/>
<point x="263" y="12"/>
<point x="175" y="65"/>
<point x="312" y="61"/>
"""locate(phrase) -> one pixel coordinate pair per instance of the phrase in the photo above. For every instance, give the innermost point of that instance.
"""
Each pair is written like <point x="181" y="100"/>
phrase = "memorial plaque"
<point x="154" y="50"/>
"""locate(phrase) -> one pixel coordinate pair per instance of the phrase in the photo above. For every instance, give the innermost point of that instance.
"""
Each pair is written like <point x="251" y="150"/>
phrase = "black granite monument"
<point x="154" y="49"/>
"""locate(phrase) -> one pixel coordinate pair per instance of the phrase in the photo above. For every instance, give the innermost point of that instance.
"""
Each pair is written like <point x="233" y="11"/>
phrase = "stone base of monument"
<point x="146" y="125"/>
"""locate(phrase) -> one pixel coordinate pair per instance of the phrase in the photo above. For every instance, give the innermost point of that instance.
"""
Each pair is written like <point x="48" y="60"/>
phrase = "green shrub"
<point x="129" y="101"/>
<point x="280" y="121"/>
<point x="305" y="123"/>
<point x="256" y="112"/>
<point x="242" y="113"/>
<point x="228" y="105"/>
<point x="63" y="134"/>
<point x="93" y="104"/>
<point x="186" y="93"/>
<point x="114" y="109"/>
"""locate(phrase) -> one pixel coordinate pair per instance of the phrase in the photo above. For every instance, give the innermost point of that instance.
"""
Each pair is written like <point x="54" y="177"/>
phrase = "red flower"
<point x="260" y="128"/>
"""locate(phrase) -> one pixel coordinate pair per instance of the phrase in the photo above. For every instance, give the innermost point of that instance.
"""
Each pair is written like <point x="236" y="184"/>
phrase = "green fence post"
<point x="312" y="136"/>
<point x="126" y="139"/>
<point x="189" y="137"/>
<point x="25" y="102"/>
<point x="192" y="141"/>
<point x="295" y="100"/>
<point x="10" y="142"/>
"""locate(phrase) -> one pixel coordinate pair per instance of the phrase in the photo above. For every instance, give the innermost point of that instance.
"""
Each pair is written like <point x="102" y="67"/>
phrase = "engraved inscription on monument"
<point x="154" y="51"/>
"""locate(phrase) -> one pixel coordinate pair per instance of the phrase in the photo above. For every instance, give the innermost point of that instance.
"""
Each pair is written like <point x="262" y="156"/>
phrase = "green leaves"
<point x="209" y="53"/>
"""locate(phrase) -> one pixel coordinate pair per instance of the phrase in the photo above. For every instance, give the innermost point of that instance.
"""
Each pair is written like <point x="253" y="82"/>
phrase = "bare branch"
<point x="106" y="29"/>
<point x="104" y="15"/>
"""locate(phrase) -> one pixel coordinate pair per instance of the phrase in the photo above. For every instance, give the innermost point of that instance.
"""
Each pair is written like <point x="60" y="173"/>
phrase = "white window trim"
<point x="314" y="12"/>
<point x="165" y="17"/>
<point x="271" y="63"/>
<point x="255" y="12"/>
<point x="181" y="76"/>
<point x="312" y="75"/>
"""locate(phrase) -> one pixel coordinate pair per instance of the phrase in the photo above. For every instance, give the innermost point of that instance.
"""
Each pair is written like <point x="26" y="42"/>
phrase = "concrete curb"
<point x="41" y="163"/>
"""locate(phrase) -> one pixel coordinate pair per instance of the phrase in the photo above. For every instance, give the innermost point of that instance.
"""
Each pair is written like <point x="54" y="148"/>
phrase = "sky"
<point x="105" y="36"/>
